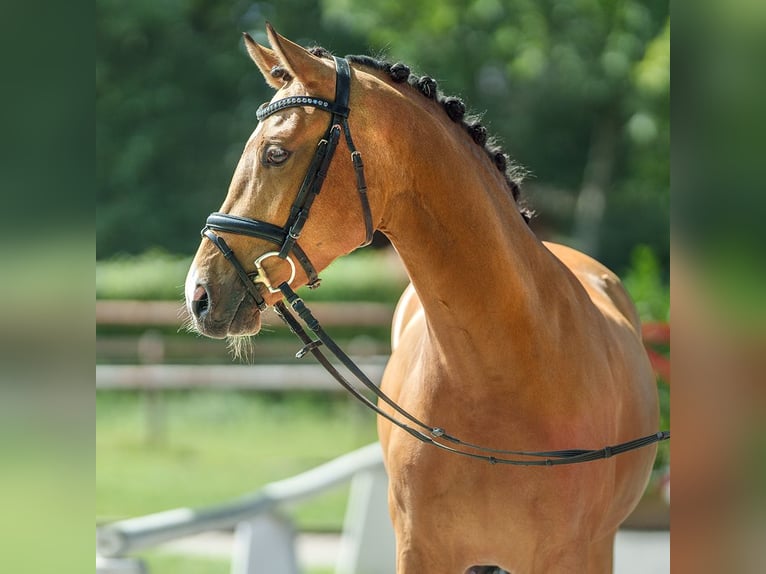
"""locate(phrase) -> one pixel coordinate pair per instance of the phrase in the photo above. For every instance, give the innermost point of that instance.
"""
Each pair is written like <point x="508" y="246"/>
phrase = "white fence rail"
<point x="173" y="313"/>
<point x="264" y="539"/>
<point x="261" y="377"/>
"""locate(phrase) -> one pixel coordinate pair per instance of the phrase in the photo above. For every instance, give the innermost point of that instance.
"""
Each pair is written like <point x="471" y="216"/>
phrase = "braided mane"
<point x="453" y="106"/>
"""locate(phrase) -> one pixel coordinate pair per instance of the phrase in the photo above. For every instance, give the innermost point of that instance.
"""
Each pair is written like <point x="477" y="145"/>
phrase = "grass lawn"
<point x="166" y="563"/>
<point x="218" y="445"/>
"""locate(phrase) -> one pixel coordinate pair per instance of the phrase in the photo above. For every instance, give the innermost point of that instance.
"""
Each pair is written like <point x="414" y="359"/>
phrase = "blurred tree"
<point x="172" y="95"/>
<point x="176" y="96"/>
<point x="577" y="90"/>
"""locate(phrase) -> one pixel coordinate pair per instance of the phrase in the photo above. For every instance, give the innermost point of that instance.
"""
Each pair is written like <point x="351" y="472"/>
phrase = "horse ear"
<point x="301" y="63"/>
<point x="264" y="58"/>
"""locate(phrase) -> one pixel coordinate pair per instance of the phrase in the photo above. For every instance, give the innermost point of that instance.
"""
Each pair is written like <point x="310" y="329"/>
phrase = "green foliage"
<point x="651" y="293"/>
<point x="176" y="96"/>
<point x="550" y="77"/>
<point x="172" y="96"/>
<point x="647" y="286"/>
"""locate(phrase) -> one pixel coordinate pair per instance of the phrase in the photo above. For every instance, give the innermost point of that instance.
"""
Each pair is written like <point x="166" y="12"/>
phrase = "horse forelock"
<point x="453" y="106"/>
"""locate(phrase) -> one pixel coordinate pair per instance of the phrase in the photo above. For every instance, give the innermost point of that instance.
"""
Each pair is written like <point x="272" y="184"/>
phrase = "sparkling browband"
<point x="299" y="101"/>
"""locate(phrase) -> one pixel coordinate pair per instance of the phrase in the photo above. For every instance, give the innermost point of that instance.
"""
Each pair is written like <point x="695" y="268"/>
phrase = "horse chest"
<point x="488" y="408"/>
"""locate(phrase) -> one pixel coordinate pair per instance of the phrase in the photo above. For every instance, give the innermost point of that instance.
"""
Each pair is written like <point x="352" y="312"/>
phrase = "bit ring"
<point x="261" y="276"/>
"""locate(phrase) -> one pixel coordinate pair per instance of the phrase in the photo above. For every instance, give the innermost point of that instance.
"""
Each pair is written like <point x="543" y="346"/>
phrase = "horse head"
<point x="263" y="226"/>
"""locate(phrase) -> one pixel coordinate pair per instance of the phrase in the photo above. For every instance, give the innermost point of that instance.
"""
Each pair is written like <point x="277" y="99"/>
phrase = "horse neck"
<point x="480" y="273"/>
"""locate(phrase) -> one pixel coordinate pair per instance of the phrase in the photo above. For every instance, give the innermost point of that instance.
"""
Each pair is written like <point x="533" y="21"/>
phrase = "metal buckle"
<point x="262" y="278"/>
<point x="307" y="348"/>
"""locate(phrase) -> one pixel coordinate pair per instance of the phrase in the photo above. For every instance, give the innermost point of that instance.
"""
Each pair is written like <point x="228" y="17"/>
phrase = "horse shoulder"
<point x="603" y="287"/>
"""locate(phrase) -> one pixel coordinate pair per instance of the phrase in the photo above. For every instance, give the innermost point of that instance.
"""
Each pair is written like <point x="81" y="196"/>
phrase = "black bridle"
<point x="287" y="239"/>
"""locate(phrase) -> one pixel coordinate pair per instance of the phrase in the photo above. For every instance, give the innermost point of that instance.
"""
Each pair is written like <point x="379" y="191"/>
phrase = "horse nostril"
<point x="200" y="302"/>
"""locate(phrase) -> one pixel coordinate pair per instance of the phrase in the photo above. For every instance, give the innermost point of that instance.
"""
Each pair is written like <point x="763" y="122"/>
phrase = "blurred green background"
<point x="577" y="92"/>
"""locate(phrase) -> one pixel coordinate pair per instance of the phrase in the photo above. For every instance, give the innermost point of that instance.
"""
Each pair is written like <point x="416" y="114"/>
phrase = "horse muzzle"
<point x="218" y="314"/>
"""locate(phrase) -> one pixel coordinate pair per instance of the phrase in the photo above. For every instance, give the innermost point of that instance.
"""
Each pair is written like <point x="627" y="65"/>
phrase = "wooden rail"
<point x="355" y="314"/>
<point x="172" y="313"/>
<point x="151" y="350"/>
<point x="260" y="377"/>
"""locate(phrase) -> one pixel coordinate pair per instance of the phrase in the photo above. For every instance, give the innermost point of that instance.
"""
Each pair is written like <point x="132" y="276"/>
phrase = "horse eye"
<point x="275" y="155"/>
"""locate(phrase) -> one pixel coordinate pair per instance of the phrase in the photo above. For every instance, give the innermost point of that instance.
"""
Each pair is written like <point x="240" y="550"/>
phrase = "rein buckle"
<point x="307" y="348"/>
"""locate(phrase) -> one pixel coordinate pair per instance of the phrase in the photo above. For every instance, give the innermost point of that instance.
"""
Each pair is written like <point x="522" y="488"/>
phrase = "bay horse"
<point x="507" y="341"/>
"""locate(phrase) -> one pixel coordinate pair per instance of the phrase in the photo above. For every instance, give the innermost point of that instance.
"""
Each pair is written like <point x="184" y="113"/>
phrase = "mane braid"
<point x="456" y="111"/>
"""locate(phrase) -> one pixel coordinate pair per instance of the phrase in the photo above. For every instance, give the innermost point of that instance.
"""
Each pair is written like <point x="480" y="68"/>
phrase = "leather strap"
<point x="334" y="108"/>
<point x="244" y="277"/>
<point x="261" y="230"/>
<point x="428" y="434"/>
<point x="342" y="94"/>
<point x="310" y="188"/>
<point x="342" y="84"/>
<point x="339" y="108"/>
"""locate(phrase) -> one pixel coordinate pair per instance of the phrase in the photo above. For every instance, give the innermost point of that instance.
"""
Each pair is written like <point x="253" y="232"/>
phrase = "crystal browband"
<point x="299" y="101"/>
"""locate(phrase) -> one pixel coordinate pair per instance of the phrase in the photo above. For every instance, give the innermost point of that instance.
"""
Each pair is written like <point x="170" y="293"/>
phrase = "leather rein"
<point x="286" y="238"/>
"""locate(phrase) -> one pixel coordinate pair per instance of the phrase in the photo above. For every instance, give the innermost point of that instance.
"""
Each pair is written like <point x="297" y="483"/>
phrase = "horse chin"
<point x="247" y="321"/>
<point x="241" y="347"/>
